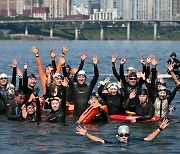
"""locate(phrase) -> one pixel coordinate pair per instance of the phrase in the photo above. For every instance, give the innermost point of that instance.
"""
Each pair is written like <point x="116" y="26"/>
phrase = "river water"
<point x="21" y="137"/>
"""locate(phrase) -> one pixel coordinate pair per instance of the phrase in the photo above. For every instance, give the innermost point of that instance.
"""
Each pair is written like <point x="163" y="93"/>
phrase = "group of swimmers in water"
<point x="64" y="87"/>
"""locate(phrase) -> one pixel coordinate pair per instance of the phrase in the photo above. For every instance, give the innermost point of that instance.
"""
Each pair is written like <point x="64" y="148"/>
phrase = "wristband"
<point x="37" y="55"/>
<point x="160" y="129"/>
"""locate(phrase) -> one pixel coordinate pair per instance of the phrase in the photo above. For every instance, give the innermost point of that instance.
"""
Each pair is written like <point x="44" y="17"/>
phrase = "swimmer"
<point x="123" y="134"/>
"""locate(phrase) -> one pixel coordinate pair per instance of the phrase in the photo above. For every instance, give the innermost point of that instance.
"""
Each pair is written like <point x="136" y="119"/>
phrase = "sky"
<point x="80" y="1"/>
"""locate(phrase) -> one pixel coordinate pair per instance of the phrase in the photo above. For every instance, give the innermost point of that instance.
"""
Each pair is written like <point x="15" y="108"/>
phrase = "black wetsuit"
<point x="127" y="87"/>
<point x="114" y="102"/>
<point x="176" y="65"/>
<point x="147" y="112"/>
<point x="59" y="116"/>
<point x="27" y="91"/>
<point x="81" y="93"/>
<point x="36" y="117"/>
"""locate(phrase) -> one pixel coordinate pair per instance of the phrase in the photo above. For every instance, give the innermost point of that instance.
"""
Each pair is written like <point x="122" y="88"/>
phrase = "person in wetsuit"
<point x="175" y="62"/>
<point x="161" y="102"/>
<point x="58" y="106"/>
<point x="123" y="133"/>
<point x="145" y="108"/>
<point x="31" y="110"/>
<point x="113" y="100"/>
<point x="50" y="68"/>
<point x="81" y="90"/>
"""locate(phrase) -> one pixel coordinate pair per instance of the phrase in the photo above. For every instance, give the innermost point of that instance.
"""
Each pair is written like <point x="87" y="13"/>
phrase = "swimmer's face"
<point x="142" y="99"/>
<point x="113" y="91"/>
<point x="132" y="81"/>
<point x="123" y="137"/>
<point x="20" y="99"/>
<point x="92" y="100"/>
<point x="55" y="105"/>
<point x="81" y="80"/>
<point x="49" y="70"/>
<point x="162" y="94"/>
<point x="57" y="81"/>
<point x="30" y="109"/>
<point x="31" y="82"/>
<point x="4" y="81"/>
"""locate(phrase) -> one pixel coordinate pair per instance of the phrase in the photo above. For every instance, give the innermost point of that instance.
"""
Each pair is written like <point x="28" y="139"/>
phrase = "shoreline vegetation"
<point x="88" y="31"/>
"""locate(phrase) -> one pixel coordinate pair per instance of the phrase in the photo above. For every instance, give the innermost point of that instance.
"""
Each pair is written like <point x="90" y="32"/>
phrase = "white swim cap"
<point x="130" y="68"/>
<point x="81" y="73"/>
<point x="10" y="85"/>
<point x="123" y="129"/>
<point x="3" y="75"/>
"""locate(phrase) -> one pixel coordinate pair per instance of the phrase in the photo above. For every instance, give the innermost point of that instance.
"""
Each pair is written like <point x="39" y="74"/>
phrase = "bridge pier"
<point x="76" y="33"/>
<point x="102" y="32"/>
<point x="51" y="31"/>
<point x="128" y="31"/>
<point x="155" y="30"/>
<point x="26" y="29"/>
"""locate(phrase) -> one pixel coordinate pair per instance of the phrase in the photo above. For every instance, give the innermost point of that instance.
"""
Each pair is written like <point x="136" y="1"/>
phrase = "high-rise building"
<point x="93" y="6"/>
<point x="176" y="9"/>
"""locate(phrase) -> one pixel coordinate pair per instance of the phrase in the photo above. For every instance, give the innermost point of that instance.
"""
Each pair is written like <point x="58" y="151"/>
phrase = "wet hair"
<point x="142" y="92"/>
<point x="19" y="92"/>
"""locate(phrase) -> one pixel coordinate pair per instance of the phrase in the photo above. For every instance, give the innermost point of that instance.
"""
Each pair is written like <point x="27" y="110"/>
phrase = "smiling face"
<point x="81" y="79"/>
<point x="31" y="82"/>
<point x="55" y="105"/>
<point x="162" y="94"/>
<point x="113" y="90"/>
<point x="132" y="81"/>
<point x="30" y="109"/>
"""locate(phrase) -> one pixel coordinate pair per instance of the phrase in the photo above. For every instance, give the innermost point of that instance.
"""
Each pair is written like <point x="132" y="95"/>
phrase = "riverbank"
<point x="87" y="33"/>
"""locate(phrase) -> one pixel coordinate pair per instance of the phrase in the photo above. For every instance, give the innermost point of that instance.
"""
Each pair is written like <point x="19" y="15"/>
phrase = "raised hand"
<point x="52" y="54"/>
<point x="62" y="60"/>
<point x="142" y="61"/>
<point x="19" y="73"/>
<point x="106" y="80"/>
<point x="132" y="94"/>
<point x="25" y="66"/>
<point x="154" y="60"/>
<point x="164" y="124"/>
<point x="35" y="50"/>
<point x="64" y="50"/>
<point x="84" y="56"/>
<point x="114" y="58"/>
<point x="120" y="84"/>
<point x="81" y="131"/>
<point x="95" y="59"/>
<point x="169" y="67"/>
<point x="148" y="60"/>
<point x="123" y="60"/>
<point x="14" y="63"/>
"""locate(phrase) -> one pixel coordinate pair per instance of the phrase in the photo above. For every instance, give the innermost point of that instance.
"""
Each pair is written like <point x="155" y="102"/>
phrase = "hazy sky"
<point x="80" y="1"/>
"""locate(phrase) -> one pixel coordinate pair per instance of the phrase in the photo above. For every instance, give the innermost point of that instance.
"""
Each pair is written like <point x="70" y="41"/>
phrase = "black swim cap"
<point x="173" y="54"/>
<point x="31" y="76"/>
<point x="143" y="92"/>
<point x="67" y="66"/>
<point x="49" y="65"/>
<point x="133" y="74"/>
<point x="93" y="95"/>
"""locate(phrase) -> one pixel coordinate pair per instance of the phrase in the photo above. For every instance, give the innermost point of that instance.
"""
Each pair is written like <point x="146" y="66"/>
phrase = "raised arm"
<point x="154" y="134"/>
<point x="53" y="56"/>
<point x="19" y="73"/>
<point x="114" y="58"/>
<point x="172" y="95"/>
<point x="83" y="132"/>
<point x="62" y="59"/>
<point x="121" y="71"/>
<point x="174" y="77"/>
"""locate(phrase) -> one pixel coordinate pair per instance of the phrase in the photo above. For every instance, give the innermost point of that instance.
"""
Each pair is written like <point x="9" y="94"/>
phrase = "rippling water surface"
<point x="22" y="137"/>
